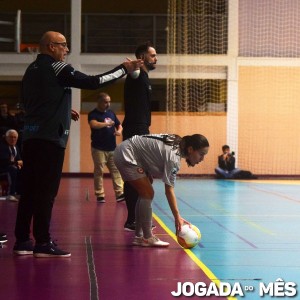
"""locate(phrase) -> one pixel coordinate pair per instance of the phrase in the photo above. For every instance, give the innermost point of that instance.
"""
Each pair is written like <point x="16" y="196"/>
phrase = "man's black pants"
<point x="43" y="162"/>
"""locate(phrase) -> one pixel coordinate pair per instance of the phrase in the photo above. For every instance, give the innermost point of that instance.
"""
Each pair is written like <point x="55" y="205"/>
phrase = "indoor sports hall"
<point x="229" y="70"/>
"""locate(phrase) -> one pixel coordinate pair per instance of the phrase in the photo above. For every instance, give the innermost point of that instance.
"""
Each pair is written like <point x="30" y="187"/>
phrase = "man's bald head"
<point x="54" y="44"/>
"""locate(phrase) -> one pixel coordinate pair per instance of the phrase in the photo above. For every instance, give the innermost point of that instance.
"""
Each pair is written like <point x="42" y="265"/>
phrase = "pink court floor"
<point x="250" y="238"/>
<point x="104" y="264"/>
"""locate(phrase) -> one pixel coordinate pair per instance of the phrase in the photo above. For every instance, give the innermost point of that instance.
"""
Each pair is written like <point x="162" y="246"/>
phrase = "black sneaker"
<point x="100" y="200"/>
<point x="3" y="235"/>
<point x="120" y="198"/>
<point x="129" y="226"/>
<point x="23" y="248"/>
<point x="3" y="239"/>
<point x="49" y="250"/>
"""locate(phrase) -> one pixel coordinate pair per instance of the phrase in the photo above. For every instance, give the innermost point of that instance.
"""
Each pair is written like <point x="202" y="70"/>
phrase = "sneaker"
<point x="23" y="248"/>
<point x="129" y="226"/>
<point x="100" y="200"/>
<point x="3" y="239"/>
<point x="12" y="198"/>
<point x="120" y="198"/>
<point x="3" y="235"/>
<point x="154" y="241"/>
<point x="49" y="250"/>
<point x="137" y="241"/>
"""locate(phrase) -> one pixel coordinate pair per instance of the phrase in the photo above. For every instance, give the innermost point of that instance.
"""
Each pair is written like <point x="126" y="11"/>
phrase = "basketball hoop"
<point x="33" y="49"/>
<point x="34" y="52"/>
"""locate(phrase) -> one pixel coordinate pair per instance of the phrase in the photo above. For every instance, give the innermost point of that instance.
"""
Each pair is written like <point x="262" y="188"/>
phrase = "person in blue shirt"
<point x="105" y="126"/>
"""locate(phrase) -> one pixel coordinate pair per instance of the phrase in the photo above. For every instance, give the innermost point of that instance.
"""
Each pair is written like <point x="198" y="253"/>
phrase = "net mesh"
<point x="195" y="29"/>
<point x="269" y="28"/>
<point x="269" y="87"/>
<point x="249" y="78"/>
<point x="269" y="124"/>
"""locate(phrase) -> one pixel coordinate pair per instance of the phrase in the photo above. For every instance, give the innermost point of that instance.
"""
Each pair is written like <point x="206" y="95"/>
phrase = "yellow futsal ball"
<point x="189" y="236"/>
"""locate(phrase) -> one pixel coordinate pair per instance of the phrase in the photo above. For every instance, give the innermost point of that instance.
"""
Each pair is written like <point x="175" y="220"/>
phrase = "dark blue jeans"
<point x="41" y="174"/>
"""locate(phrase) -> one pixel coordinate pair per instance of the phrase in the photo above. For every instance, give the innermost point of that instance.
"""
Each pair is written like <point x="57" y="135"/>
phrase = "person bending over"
<point x="156" y="155"/>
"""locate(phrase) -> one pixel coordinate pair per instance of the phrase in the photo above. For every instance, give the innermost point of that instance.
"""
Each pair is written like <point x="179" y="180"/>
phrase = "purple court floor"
<point x="104" y="264"/>
<point x="250" y="240"/>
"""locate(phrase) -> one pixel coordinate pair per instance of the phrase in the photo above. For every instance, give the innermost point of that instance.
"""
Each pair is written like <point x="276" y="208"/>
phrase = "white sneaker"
<point x="137" y="241"/>
<point x="154" y="241"/>
<point x="11" y="198"/>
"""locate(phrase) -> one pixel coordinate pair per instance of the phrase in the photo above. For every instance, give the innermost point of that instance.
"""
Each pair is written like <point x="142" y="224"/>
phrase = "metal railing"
<point x="113" y="33"/>
<point x="101" y="33"/>
<point x="121" y="33"/>
<point x="16" y="25"/>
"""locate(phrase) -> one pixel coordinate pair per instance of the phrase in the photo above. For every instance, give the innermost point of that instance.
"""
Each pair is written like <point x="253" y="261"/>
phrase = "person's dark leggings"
<point x="131" y="198"/>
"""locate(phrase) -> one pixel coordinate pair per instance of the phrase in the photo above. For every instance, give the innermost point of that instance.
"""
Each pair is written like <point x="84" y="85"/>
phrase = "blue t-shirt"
<point x="104" y="138"/>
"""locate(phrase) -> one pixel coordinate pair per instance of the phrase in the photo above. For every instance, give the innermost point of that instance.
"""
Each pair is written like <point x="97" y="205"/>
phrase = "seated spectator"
<point x="7" y="121"/>
<point x="227" y="169"/>
<point x="11" y="162"/>
<point x="226" y="162"/>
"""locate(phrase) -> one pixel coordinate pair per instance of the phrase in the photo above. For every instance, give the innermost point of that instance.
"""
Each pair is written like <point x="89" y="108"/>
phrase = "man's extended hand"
<point x="74" y="115"/>
<point x="132" y="65"/>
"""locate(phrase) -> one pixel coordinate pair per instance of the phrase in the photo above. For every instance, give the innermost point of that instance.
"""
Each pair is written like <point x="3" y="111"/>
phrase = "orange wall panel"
<point x="269" y="123"/>
<point x="213" y="127"/>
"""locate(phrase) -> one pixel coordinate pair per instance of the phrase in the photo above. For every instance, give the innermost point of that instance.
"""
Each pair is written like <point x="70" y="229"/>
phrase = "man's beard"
<point x="150" y="66"/>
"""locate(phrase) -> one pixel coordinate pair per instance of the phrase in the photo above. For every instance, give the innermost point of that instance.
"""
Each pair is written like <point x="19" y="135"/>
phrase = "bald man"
<point x="46" y="94"/>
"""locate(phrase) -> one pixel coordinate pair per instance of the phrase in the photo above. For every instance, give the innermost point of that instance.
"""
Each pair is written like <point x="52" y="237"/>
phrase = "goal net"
<point x="196" y="28"/>
<point x="268" y="83"/>
<point x="234" y="75"/>
<point x="196" y="83"/>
